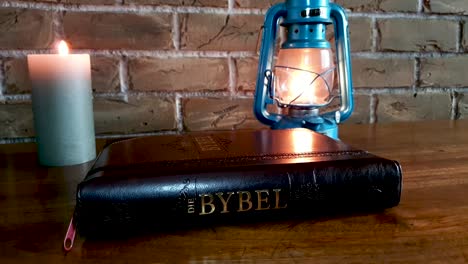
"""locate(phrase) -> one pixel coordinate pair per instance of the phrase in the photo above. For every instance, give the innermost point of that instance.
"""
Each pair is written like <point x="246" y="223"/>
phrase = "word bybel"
<point x="243" y="199"/>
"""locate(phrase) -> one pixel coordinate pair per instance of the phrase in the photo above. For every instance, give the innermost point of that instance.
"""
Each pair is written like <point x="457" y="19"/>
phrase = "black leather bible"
<point x="229" y="176"/>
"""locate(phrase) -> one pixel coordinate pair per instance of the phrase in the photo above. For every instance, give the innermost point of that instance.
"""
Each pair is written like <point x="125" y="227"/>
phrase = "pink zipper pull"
<point x="70" y="236"/>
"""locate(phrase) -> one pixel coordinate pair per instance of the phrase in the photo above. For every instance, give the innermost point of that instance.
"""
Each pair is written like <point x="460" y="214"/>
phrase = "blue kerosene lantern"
<point x="301" y="79"/>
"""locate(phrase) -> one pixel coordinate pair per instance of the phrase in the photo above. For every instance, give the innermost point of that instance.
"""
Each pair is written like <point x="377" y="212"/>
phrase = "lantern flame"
<point x="63" y="48"/>
<point x="304" y="76"/>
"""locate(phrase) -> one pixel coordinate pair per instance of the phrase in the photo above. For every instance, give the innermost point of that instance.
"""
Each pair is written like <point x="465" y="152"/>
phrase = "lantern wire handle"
<point x="259" y="42"/>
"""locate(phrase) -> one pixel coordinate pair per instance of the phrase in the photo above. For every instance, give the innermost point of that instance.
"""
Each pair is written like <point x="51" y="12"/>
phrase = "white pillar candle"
<point x="62" y="107"/>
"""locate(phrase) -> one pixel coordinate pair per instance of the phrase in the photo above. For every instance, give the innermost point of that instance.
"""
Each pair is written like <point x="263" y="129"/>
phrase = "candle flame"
<point x="63" y="48"/>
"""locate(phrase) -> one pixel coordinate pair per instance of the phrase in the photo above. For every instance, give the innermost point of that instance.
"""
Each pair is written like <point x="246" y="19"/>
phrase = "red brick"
<point x="118" y="31"/>
<point x="407" y="107"/>
<point x="17" y="76"/>
<point x="256" y="3"/>
<point x="16" y="120"/>
<point x="25" y="29"/>
<point x="444" y="72"/>
<point x="361" y="112"/>
<point x="465" y="36"/>
<point x="247" y="72"/>
<point x="206" y="3"/>
<point x="380" y="5"/>
<point x="104" y="75"/>
<point x="219" y="114"/>
<point x="375" y="73"/>
<point x="220" y="32"/>
<point x="446" y="6"/>
<point x="417" y="35"/>
<point x="92" y="2"/>
<point x="138" y="115"/>
<point x="179" y="74"/>
<point x="360" y="34"/>
<point x="463" y="106"/>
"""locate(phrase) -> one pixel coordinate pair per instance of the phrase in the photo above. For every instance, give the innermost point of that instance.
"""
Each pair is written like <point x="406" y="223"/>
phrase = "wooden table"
<point x="430" y="224"/>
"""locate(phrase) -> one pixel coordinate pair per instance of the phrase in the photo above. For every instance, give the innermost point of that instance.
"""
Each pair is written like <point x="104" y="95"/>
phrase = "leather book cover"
<point x="228" y="176"/>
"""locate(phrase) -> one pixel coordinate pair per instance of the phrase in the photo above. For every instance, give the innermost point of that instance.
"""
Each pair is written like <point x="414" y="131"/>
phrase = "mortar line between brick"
<point x="454" y="107"/>
<point x="231" y="4"/>
<point x="222" y="54"/>
<point x="176" y="31"/>
<point x="114" y="96"/>
<point x="123" y="76"/>
<point x="417" y="75"/>
<point x="139" y="9"/>
<point x="373" y="104"/>
<point x="179" y="113"/>
<point x="17" y="97"/>
<point x="459" y="37"/>
<point x="189" y="94"/>
<point x="409" y="91"/>
<point x="182" y="95"/>
<point x="139" y="53"/>
<point x="406" y="55"/>
<point x="358" y="91"/>
<point x="59" y="33"/>
<point x="17" y="140"/>
<point x="206" y="10"/>
<point x="232" y="76"/>
<point x="144" y="134"/>
<point x="375" y="34"/>
<point x="395" y="15"/>
<point x="420" y="6"/>
<point x="2" y="79"/>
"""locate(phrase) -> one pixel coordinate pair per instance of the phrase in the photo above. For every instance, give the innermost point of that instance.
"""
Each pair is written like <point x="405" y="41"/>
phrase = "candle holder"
<point x="63" y="107"/>
<point x="302" y="81"/>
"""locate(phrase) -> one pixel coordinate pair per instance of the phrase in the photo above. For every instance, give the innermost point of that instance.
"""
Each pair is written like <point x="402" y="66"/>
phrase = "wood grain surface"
<point x="430" y="225"/>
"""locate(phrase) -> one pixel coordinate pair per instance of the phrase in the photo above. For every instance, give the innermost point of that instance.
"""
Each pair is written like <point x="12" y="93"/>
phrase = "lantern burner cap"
<point x="299" y="112"/>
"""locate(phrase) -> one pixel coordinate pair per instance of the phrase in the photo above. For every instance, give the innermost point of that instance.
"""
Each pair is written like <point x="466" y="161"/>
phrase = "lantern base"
<point x="324" y="125"/>
<point x="330" y="132"/>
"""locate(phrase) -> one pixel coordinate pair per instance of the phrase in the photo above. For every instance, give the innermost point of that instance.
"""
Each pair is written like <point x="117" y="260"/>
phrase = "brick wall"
<point x="165" y="66"/>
